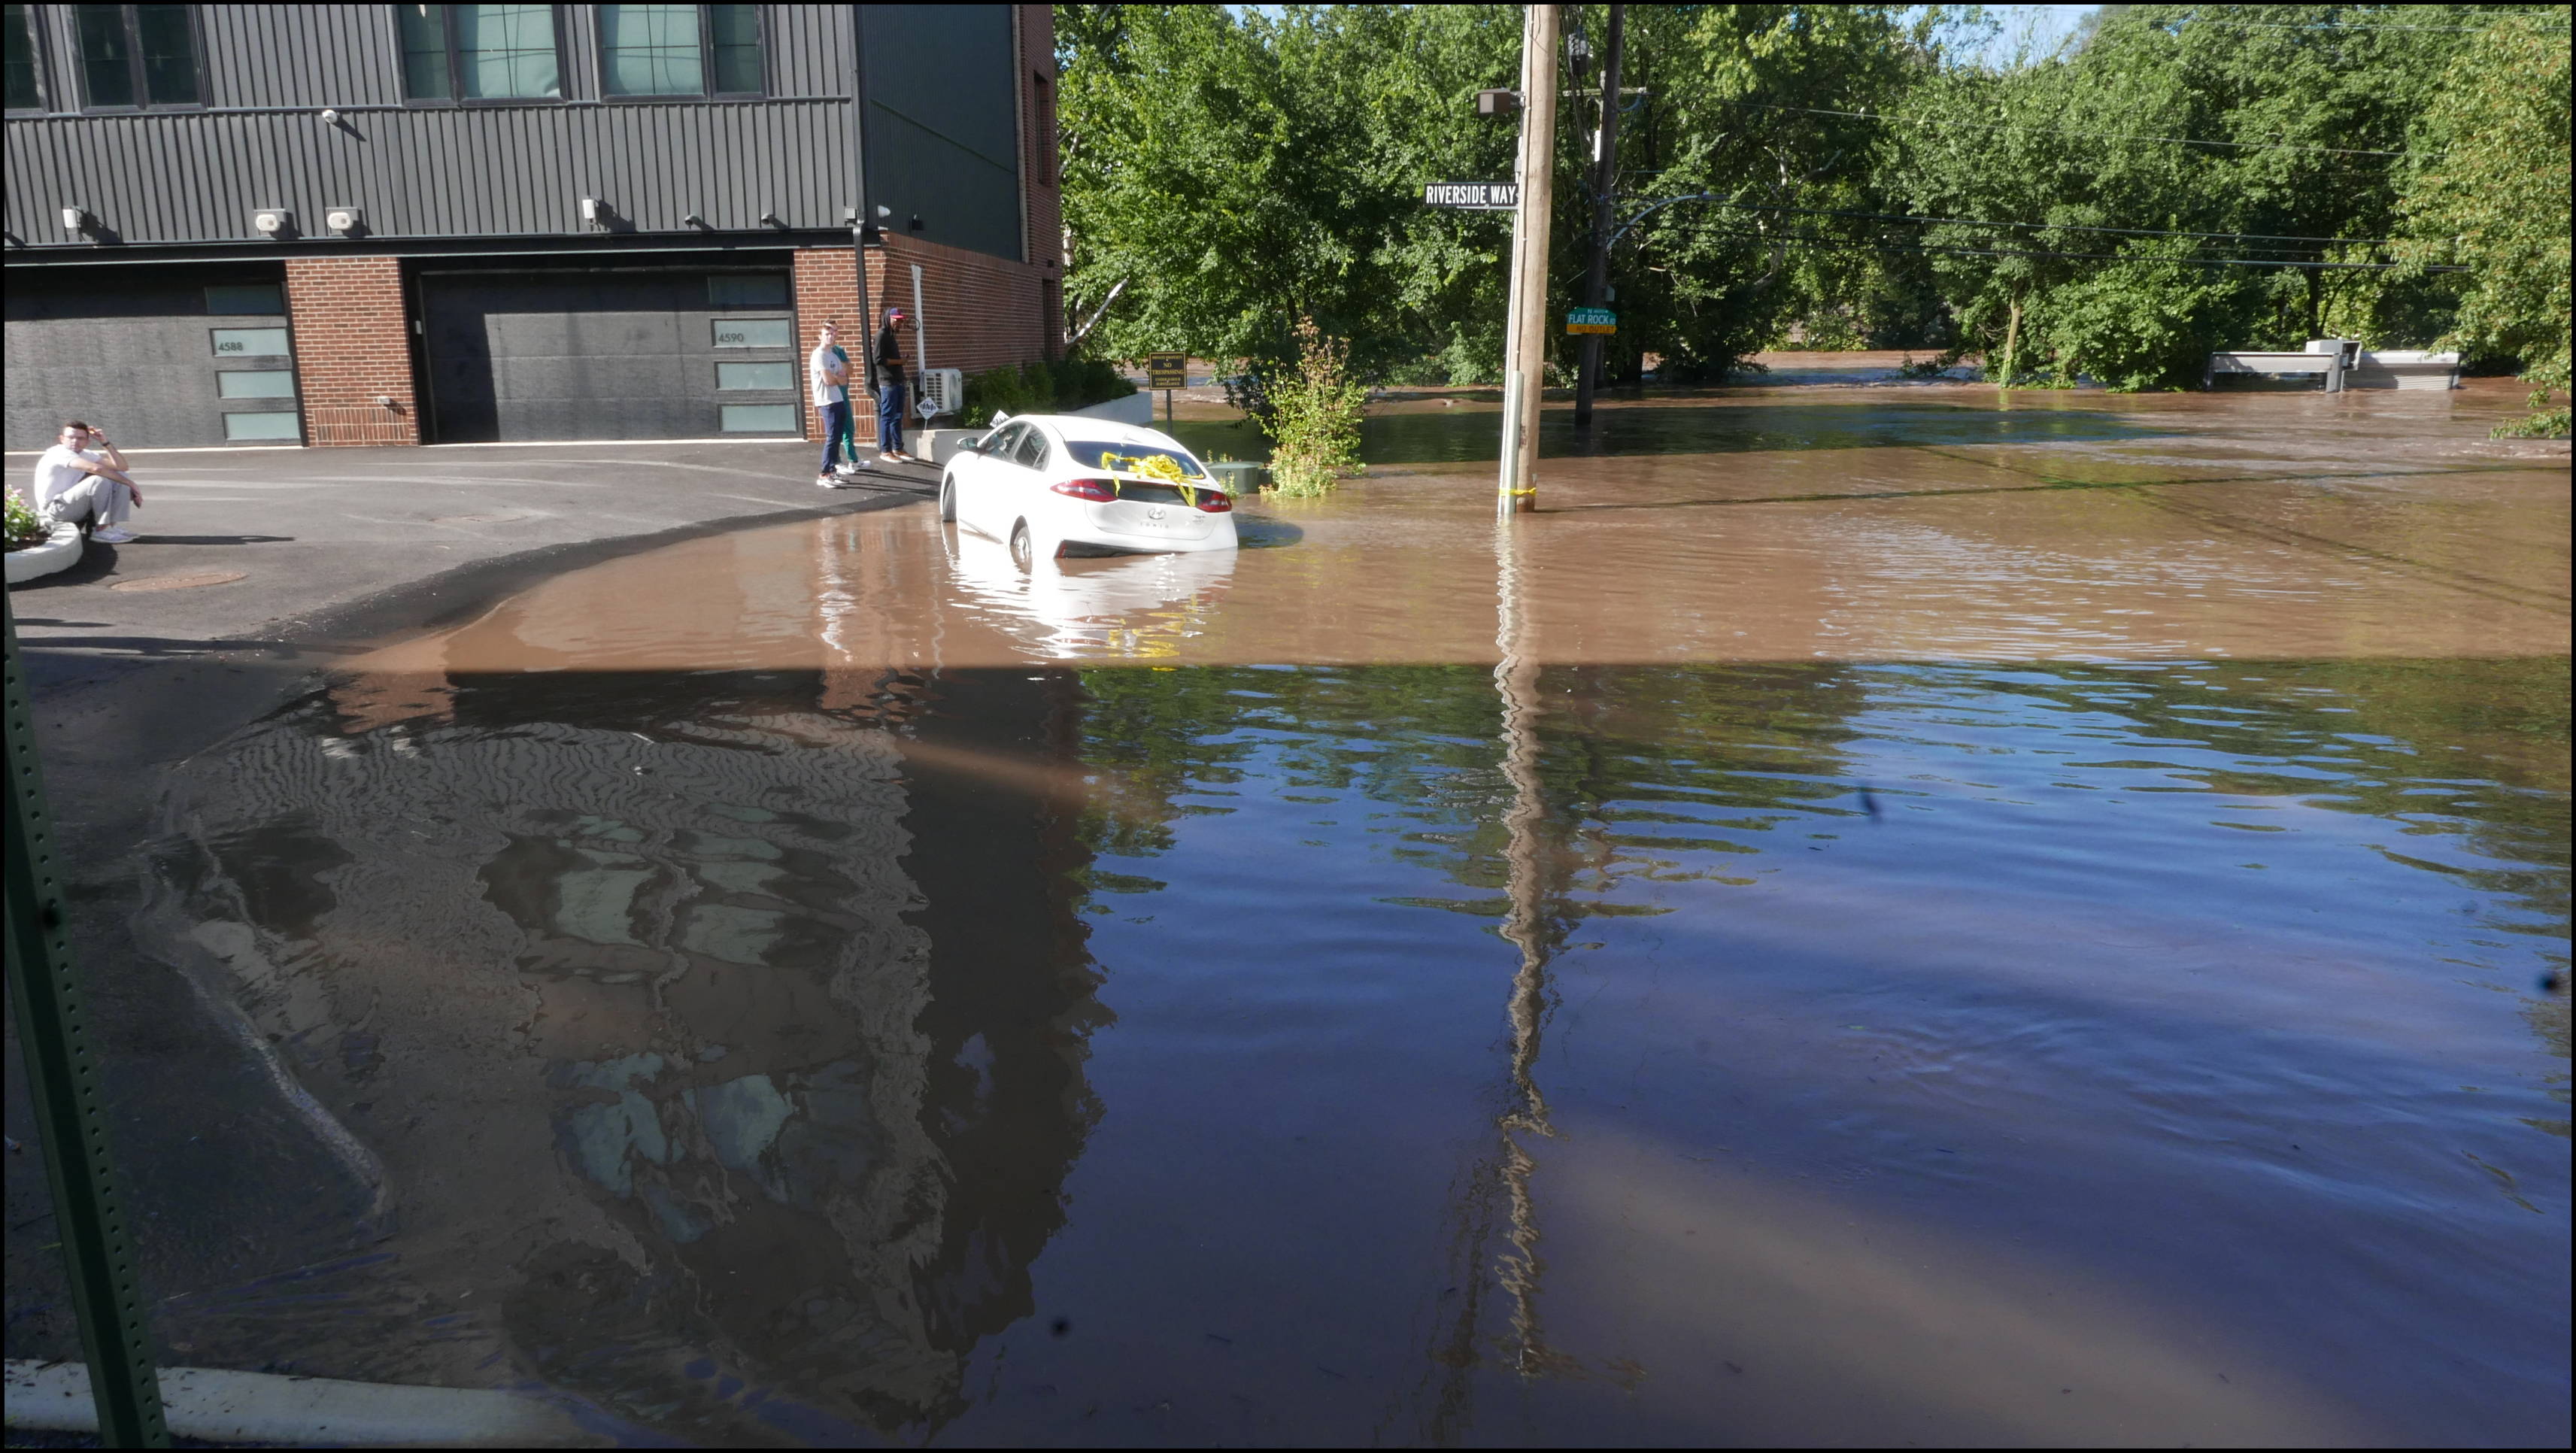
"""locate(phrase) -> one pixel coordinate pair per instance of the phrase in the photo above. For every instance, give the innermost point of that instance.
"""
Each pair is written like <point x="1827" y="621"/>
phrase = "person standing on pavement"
<point x="83" y="478"/>
<point x="827" y="370"/>
<point x="890" y="400"/>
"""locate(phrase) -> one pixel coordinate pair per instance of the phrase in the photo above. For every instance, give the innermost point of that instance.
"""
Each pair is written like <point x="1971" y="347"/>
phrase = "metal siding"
<point x="299" y="55"/>
<point x="942" y="124"/>
<point x="434" y="172"/>
<point x="809" y="49"/>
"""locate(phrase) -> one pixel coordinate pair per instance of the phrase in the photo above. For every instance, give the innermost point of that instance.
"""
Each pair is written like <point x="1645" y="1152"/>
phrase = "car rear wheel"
<point x="948" y="499"/>
<point x="1024" y="551"/>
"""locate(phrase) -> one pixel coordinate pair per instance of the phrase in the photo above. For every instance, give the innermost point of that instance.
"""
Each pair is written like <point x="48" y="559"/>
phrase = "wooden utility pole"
<point x="1525" y="339"/>
<point x="1605" y="203"/>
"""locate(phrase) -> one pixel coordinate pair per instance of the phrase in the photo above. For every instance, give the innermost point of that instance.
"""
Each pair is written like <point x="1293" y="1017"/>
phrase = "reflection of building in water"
<point x="740" y="1055"/>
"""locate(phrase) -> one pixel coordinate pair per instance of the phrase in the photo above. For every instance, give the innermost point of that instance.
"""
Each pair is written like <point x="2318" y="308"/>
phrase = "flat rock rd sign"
<point x="1473" y="196"/>
<point x="1591" y="320"/>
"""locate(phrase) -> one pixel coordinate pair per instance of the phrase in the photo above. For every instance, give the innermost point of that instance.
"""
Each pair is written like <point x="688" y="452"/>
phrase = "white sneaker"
<point x="111" y="535"/>
<point x="846" y="470"/>
<point x="825" y="481"/>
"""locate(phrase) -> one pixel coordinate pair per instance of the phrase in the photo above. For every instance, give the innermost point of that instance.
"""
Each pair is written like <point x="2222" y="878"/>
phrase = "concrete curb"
<point x="263" y="1407"/>
<point x="61" y="551"/>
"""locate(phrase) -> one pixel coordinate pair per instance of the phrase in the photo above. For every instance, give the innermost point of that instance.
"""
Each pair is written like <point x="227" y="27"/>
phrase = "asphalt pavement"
<point x="253" y="571"/>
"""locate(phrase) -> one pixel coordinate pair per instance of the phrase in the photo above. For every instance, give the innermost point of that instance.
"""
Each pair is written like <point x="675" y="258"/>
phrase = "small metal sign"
<point x="1167" y="370"/>
<point x="1591" y="320"/>
<point x="1473" y="196"/>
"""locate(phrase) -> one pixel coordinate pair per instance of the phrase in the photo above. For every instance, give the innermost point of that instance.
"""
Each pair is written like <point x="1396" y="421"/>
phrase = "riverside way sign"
<point x="1473" y="196"/>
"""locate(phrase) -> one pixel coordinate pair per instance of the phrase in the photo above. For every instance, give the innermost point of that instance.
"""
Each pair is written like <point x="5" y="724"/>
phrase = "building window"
<point x="758" y="418"/>
<point x="747" y="290"/>
<point x="26" y="82"/>
<point x="134" y="56"/>
<point x="754" y="333"/>
<point x="255" y="383"/>
<point x="230" y="299"/>
<point x="679" y="50"/>
<point x="242" y="427"/>
<point x="479" y="53"/>
<point x="753" y="377"/>
<point x="250" y="342"/>
<point x="1042" y="122"/>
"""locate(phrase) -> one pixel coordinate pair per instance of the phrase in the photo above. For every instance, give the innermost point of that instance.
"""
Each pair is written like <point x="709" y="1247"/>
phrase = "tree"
<point x="2497" y="201"/>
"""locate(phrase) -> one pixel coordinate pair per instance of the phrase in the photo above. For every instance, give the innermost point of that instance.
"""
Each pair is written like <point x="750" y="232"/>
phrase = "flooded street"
<point x="1878" y="917"/>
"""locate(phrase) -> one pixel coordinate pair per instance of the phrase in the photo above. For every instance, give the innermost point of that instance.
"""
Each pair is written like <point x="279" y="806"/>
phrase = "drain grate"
<point x="188" y="581"/>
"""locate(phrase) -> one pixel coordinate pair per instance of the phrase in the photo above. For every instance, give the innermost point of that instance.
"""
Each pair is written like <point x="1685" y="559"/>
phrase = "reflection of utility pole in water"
<point x="1525" y="928"/>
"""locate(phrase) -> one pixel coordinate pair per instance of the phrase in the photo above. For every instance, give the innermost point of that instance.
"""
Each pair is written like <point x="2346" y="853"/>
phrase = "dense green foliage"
<point x="2181" y="178"/>
<point x="2499" y="196"/>
<point x="1041" y="388"/>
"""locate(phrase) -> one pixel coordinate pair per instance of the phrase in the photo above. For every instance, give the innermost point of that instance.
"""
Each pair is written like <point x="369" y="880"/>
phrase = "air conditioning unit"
<point x="945" y="387"/>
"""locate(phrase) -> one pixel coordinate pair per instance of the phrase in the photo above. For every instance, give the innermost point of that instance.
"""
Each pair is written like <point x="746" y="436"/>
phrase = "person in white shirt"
<point x="827" y="369"/>
<point x="83" y="478"/>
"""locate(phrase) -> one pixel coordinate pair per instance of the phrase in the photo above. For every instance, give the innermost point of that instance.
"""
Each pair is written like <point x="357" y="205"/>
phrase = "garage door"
<point x="610" y="354"/>
<point x="158" y="357"/>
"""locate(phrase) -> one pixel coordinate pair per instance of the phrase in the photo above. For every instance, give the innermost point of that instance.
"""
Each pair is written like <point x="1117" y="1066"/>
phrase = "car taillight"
<point x="1096" y="489"/>
<point x="1214" y="503"/>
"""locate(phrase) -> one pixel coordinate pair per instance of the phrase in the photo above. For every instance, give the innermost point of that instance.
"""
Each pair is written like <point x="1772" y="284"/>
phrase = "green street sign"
<point x="1591" y="320"/>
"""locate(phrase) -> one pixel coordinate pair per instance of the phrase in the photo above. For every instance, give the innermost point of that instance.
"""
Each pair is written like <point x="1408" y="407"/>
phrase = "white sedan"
<point x="1056" y="484"/>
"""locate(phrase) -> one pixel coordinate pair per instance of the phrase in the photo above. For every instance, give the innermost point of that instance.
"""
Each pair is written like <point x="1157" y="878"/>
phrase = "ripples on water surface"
<point x="1779" y="1004"/>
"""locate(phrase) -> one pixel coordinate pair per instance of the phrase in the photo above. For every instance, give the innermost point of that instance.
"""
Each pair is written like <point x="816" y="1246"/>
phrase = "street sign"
<point x="1167" y="370"/>
<point x="1591" y="320"/>
<point x="1473" y="196"/>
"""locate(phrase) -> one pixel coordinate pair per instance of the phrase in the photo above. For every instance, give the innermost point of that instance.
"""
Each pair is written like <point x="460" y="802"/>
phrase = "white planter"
<point x="61" y="551"/>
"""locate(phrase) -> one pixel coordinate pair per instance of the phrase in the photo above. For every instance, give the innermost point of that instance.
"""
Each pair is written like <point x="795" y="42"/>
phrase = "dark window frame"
<point x="456" y="96"/>
<point x="143" y="101"/>
<point x="32" y="18"/>
<point x="1042" y="124"/>
<point x="706" y="62"/>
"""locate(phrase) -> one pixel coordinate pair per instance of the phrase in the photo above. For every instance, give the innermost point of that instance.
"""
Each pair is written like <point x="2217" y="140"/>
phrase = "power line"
<point x="2063" y="226"/>
<point x="1849" y="245"/>
<point x="1882" y="117"/>
<point x="2341" y="25"/>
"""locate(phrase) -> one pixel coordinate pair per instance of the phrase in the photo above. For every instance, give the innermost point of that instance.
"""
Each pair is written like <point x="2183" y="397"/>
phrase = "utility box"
<point x="945" y="387"/>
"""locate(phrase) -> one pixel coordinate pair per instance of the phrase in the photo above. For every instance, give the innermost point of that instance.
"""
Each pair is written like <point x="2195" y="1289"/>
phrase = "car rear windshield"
<point x="1142" y="459"/>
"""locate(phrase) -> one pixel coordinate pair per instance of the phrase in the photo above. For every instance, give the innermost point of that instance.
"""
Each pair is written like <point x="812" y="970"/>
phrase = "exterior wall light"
<point x="76" y="220"/>
<point x="592" y="209"/>
<point x="345" y="220"/>
<point x="330" y="117"/>
<point x="275" y="223"/>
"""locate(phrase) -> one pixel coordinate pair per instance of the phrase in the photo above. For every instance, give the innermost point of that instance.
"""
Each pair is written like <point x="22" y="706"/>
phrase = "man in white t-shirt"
<point x="83" y="478"/>
<point x="827" y="371"/>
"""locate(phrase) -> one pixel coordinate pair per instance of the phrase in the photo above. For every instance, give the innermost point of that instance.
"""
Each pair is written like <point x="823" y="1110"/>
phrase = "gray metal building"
<point x="454" y="223"/>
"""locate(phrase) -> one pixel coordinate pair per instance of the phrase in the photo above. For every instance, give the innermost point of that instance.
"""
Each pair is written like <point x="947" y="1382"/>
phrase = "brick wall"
<point x="352" y="350"/>
<point x="827" y="290"/>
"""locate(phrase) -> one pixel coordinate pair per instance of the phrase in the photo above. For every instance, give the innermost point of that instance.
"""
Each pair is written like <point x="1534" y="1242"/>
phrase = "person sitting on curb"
<point x="85" y="484"/>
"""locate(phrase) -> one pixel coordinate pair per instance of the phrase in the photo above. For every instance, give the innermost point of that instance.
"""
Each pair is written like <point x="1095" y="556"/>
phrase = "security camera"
<point x="330" y="117"/>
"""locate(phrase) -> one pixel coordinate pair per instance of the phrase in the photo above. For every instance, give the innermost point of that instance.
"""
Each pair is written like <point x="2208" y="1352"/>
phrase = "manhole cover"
<point x="180" y="582"/>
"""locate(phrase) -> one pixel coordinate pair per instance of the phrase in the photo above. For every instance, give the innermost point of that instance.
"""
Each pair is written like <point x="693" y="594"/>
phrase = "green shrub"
<point x="1041" y="387"/>
<point x="26" y="527"/>
<point x="1315" y="416"/>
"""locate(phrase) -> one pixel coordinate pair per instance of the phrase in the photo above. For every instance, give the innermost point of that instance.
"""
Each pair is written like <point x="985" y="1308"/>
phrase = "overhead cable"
<point x="1811" y="240"/>
<point x="1881" y="116"/>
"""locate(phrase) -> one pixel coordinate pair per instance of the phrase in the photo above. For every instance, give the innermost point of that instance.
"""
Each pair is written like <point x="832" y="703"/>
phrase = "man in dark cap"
<point x="890" y="399"/>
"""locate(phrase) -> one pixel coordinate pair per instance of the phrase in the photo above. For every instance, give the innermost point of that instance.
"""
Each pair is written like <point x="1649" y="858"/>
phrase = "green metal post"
<point x="62" y="1083"/>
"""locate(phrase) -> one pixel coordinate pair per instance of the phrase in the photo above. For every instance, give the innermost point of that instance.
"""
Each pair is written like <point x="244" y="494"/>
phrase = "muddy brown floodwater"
<point x="1880" y="916"/>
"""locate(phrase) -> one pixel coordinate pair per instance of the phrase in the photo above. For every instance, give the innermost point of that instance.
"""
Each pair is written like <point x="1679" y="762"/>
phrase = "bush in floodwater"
<point x="1315" y="413"/>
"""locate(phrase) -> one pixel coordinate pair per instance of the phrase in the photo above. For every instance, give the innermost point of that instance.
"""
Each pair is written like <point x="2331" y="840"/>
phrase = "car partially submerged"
<point x="1062" y="484"/>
